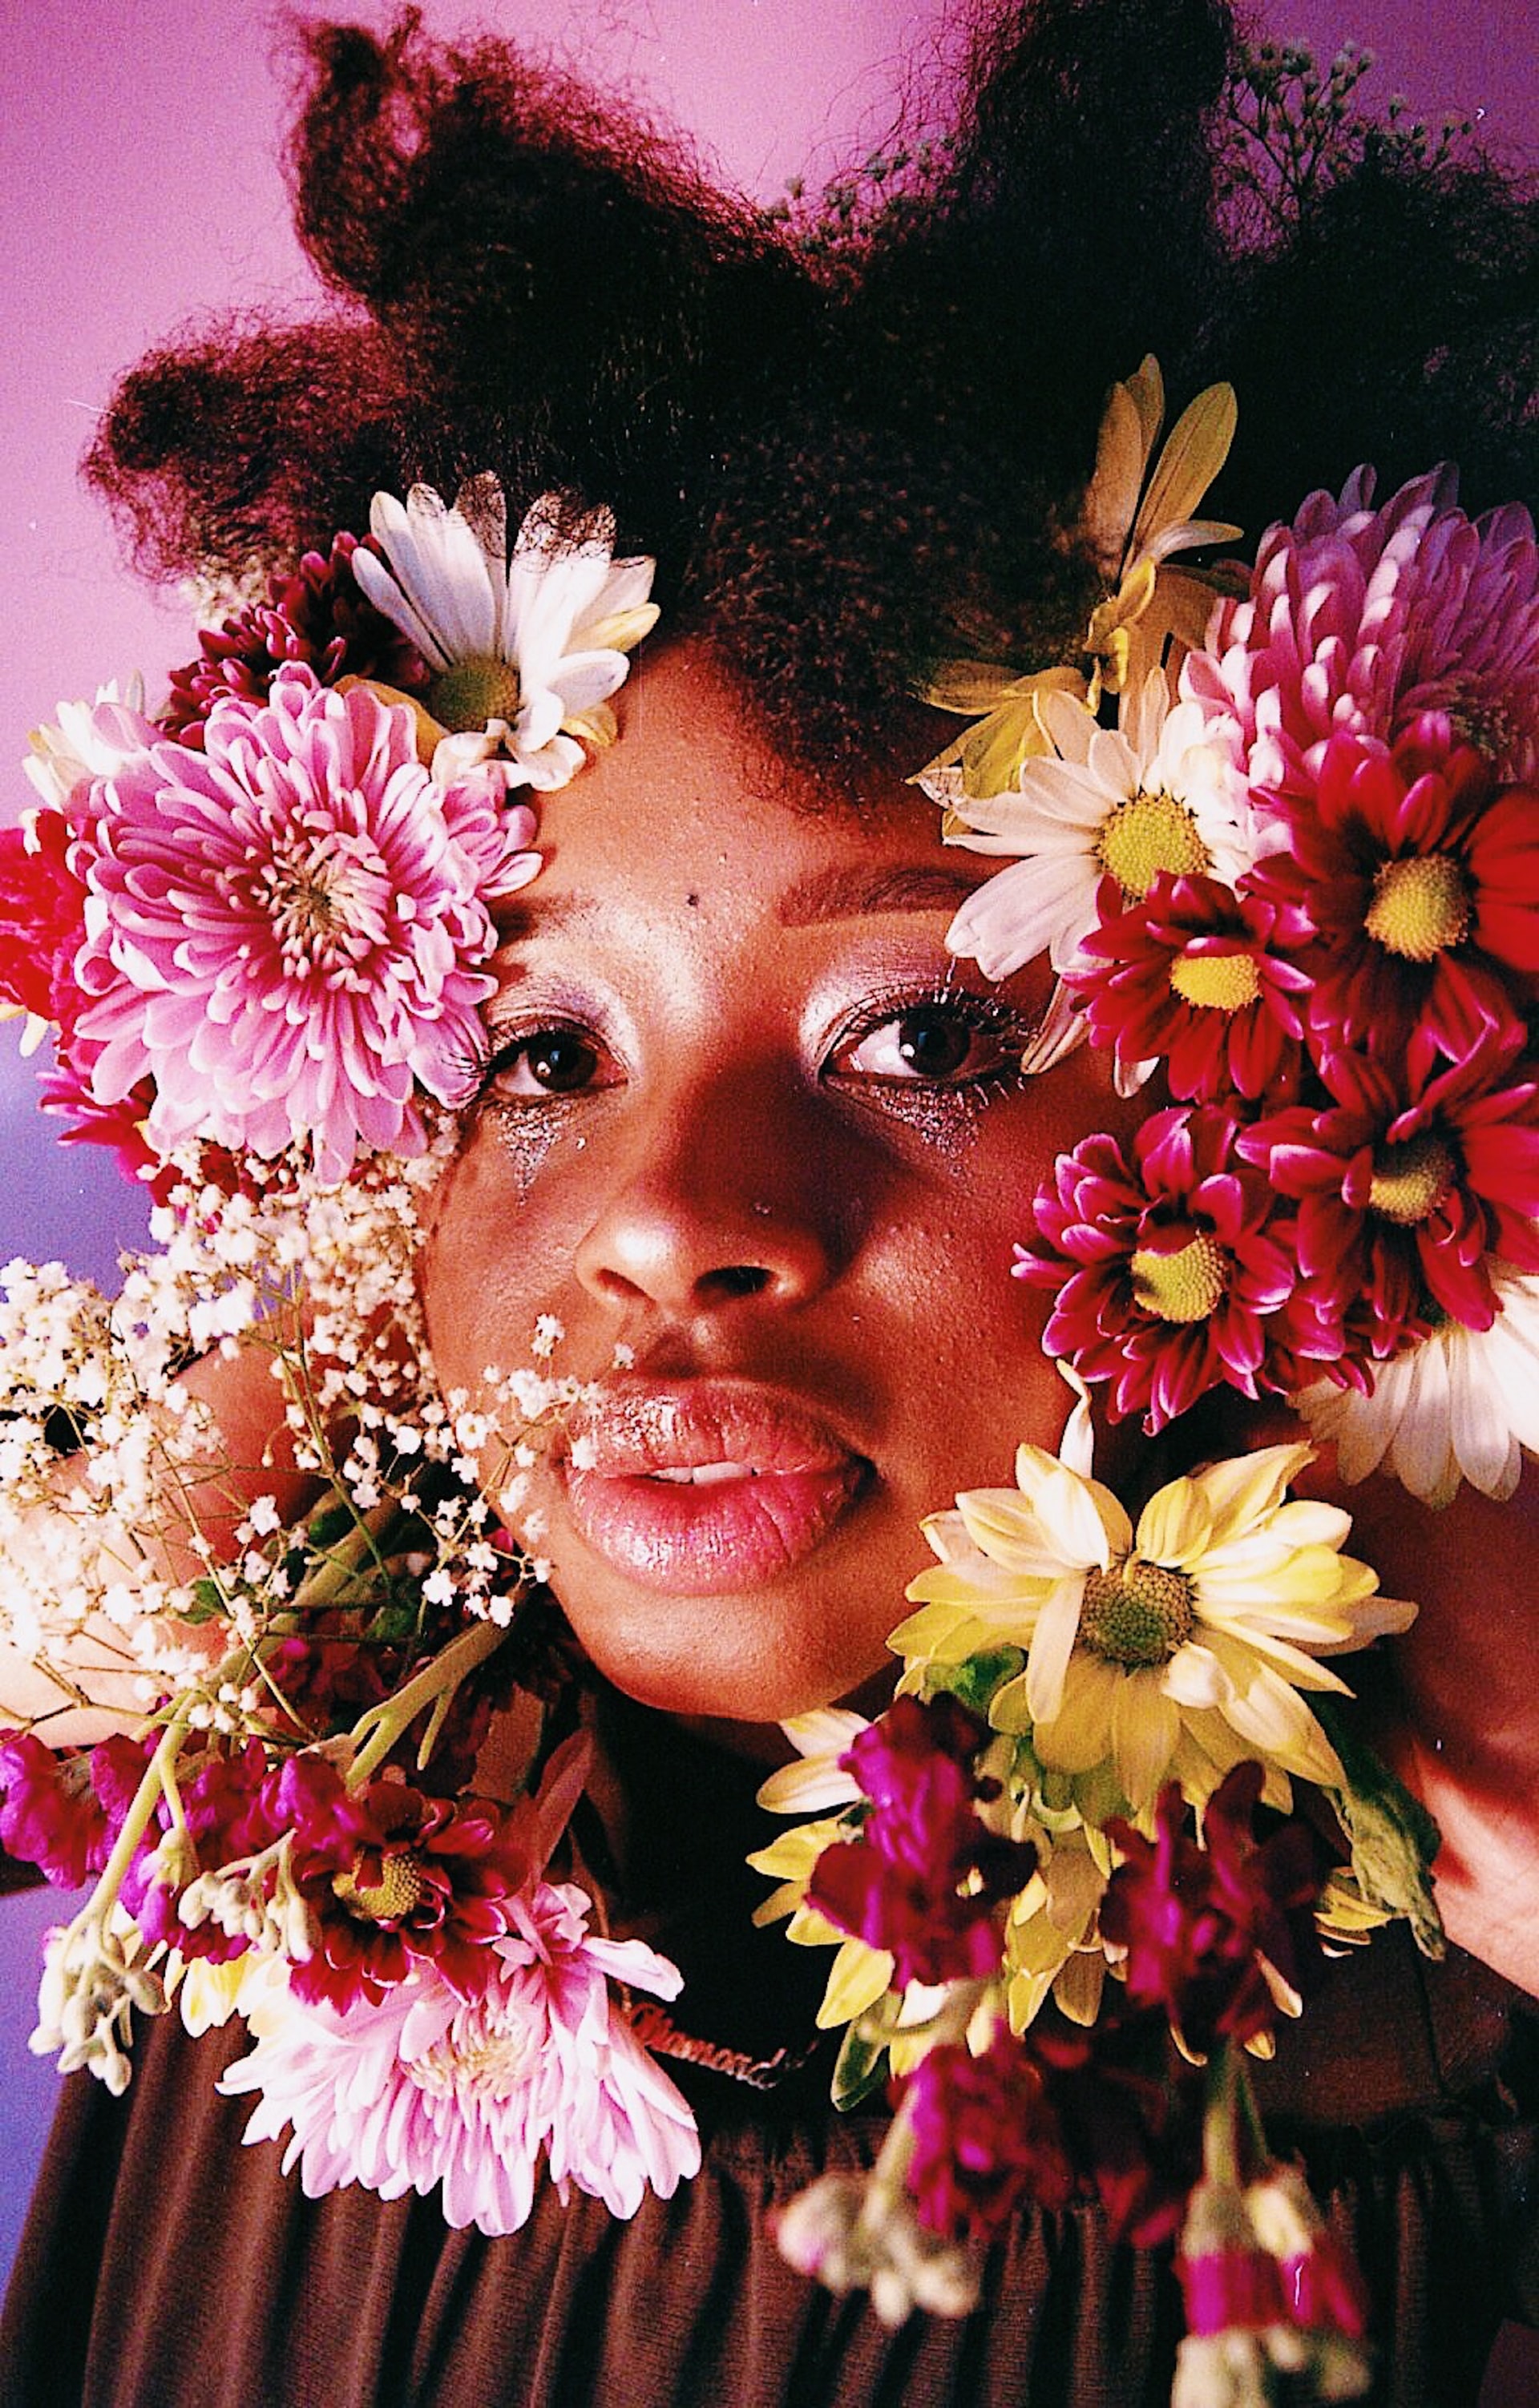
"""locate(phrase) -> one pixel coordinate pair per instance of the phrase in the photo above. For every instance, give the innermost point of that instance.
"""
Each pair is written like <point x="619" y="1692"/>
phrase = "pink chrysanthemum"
<point x="314" y="613"/>
<point x="424" y="2087"/>
<point x="1422" y="882"/>
<point x="1198" y="976"/>
<point x="1411" y="1179"/>
<point x="1357" y="619"/>
<point x="286" y="931"/>
<point x="1172" y="1277"/>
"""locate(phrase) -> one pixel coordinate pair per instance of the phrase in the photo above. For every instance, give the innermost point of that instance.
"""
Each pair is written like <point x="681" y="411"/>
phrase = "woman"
<point x="761" y="1145"/>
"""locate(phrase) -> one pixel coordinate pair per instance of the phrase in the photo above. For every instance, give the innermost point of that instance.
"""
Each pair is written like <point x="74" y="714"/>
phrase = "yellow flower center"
<point x="1183" y="1286"/>
<point x="1216" y="982"/>
<point x="482" y="2058"/>
<point x="1420" y="907"/>
<point x="1137" y="1612"/>
<point x="1144" y="835"/>
<point x="395" y="1894"/>
<point x="469" y="692"/>
<point x="1410" y="1181"/>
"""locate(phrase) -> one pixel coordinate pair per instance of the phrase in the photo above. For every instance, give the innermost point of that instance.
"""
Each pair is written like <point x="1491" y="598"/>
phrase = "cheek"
<point x="499" y="1254"/>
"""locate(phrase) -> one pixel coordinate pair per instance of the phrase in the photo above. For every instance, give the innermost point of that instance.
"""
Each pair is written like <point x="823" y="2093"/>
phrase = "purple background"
<point x="139" y="146"/>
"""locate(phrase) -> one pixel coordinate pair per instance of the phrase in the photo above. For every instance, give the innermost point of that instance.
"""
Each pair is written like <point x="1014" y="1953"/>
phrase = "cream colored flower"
<point x="1133" y="520"/>
<point x="92" y="740"/>
<point x="1051" y="1935"/>
<point x="1137" y="519"/>
<point x="1174" y="1651"/>
<point x="859" y="1975"/>
<point x="526" y="649"/>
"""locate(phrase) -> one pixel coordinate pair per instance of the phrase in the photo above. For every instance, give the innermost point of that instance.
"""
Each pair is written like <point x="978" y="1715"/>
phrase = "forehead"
<point x="689" y="806"/>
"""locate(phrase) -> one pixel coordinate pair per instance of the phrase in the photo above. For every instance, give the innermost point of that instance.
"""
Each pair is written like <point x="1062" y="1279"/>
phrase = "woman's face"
<point x="748" y="1122"/>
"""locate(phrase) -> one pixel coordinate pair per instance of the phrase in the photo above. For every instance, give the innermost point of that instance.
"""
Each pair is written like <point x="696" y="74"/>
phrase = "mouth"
<point x="707" y="1487"/>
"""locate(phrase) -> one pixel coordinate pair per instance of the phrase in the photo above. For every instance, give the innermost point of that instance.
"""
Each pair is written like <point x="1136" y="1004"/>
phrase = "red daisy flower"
<point x="50" y="1816"/>
<point x="1198" y="974"/>
<point x="1411" y="1179"/>
<point x="1422" y="882"/>
<point x="394" y="1879"/>
<point x="1174" y="1276"/>
<point x="42" y="915"/>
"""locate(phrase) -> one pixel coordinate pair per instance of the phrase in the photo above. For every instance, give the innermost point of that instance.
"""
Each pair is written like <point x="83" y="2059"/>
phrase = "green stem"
<point x="158" y="1773"/>
<point x="1221" y="2119"/>
<point x="376" y="1731"/>
<point x="339" y="1565"/>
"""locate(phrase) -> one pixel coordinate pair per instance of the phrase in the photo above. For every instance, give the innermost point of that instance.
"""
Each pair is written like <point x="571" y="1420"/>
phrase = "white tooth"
<point x="704" y="1475"/>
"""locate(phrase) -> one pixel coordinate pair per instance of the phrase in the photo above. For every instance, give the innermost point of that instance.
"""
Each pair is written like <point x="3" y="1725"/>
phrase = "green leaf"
<point x="394" y="1624"/>
<point x="861" y="2066"/>
<point x="975" y="1679"/>
<point x="208" y="1603"/>
<point x="330" y="1525"/>
<point x="1393" y="1837"/>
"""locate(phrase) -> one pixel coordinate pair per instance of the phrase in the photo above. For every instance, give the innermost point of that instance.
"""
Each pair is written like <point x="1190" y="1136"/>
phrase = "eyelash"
<point x="980" y="1015"/>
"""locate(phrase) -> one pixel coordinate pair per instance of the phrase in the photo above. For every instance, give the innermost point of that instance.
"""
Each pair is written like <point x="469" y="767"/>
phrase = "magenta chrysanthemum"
<point x="424" y="2087"/>
<point x="1411" y="1179"/>
<point x="1213" y="1931"/>
<point x="1359" y="619"/>
<point x="287" y="931"/>
<point x="1173" y="1276"/>
<point x="1201" y="977"/>
<point x="314" y="613"/>
<point x="1422" y="883"/>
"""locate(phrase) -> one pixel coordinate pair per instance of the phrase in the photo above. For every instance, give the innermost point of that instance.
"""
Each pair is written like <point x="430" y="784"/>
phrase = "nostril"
<point x="734" y="1280"/>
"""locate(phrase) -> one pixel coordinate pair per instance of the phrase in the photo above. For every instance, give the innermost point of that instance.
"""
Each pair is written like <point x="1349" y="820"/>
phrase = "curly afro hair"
<point x="846" y="455"/>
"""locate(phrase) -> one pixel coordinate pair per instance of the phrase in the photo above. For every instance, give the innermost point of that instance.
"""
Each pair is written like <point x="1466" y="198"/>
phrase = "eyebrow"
<point x="855" y="893"/>
<point x="825" y="894"/>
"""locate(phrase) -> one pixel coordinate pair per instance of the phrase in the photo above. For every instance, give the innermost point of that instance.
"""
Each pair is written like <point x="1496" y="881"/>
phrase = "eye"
<point x="551" y="1061"/>
<point x="947" y="1040"/>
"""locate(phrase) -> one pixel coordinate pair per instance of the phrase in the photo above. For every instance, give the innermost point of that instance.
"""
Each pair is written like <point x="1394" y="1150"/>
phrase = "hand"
<point x="1458" y="1717"/>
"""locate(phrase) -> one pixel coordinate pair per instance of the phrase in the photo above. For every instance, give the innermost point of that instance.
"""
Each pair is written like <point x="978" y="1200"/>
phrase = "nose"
<point x="721" y="1197"/>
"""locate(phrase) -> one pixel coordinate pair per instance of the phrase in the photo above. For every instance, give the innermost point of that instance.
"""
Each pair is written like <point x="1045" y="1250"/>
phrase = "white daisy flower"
<point x="1125" y="803"/>
<point x="526" y="649"/>
<point x="1463" y="1404"/>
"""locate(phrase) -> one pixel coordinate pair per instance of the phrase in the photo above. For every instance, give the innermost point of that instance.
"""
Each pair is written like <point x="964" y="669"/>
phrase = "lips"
<point x="707" y="1487"/>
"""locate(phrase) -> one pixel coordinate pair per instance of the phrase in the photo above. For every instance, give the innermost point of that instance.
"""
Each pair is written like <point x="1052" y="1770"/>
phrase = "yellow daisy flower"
<point x="1172" y="1651"/>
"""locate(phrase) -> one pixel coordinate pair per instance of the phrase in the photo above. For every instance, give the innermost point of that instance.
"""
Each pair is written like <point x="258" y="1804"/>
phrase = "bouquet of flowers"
<point x="1280" y="848"/>
<point x="253" y="1685"/>
<point x="1273" y="834"/>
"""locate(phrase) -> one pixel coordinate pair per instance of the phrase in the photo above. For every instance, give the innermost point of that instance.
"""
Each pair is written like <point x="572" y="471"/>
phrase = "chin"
<point x="731" y="1662"/>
